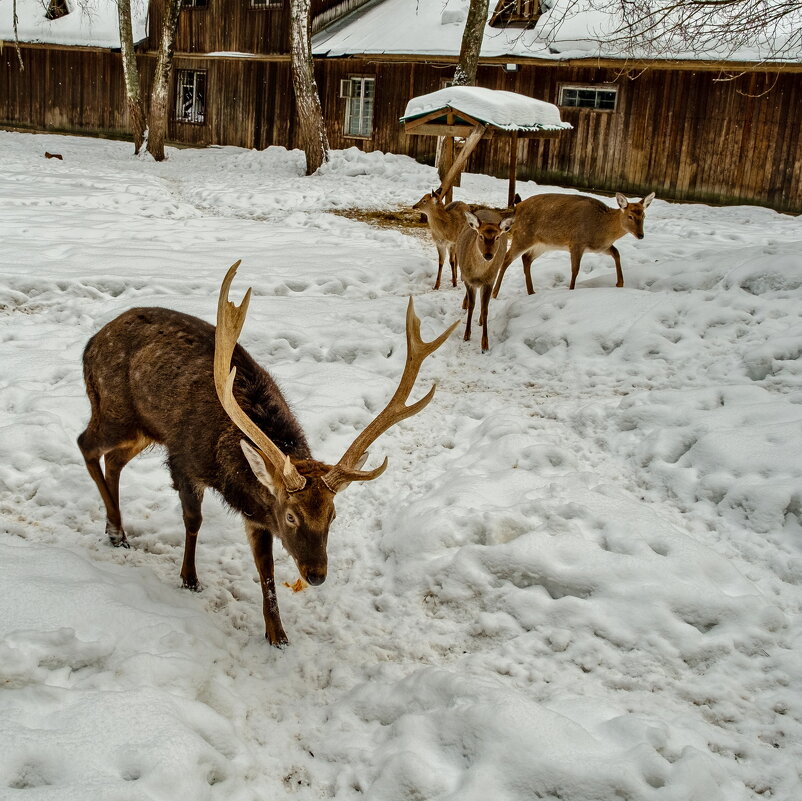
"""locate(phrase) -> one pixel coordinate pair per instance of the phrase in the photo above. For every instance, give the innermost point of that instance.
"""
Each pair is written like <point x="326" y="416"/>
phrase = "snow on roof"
<point x="569" y="29"/>
<point x="90" y="23"/>
<point x="507" y="110"/>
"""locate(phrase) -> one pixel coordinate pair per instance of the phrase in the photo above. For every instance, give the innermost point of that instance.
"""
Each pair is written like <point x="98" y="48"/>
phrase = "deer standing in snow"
<point x="445" y="223"/>
<point x="480" y="251"/>
<point x="159" y="376"/>
<point x="575" y="223"/>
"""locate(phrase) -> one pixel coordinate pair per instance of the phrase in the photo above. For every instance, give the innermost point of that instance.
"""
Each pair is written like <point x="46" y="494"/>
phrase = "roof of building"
<point x="567" y="30"/>
<point x="89" y="23"/>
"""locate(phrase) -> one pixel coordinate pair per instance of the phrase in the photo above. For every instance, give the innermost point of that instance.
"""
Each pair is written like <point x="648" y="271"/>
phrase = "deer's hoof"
<point x="191" y="584"/>
<point x="278" y="640"/>
<point x="117" y="537"/>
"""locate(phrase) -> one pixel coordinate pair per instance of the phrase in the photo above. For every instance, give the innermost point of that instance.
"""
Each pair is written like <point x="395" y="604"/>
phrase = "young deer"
<point x="445" y="224"/>
<point x="575" y="223"/>
<point x="480" y="251"/>
<point x="160" y="376"/>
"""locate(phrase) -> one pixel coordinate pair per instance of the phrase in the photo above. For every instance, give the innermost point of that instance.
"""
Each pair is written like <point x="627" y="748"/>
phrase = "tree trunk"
<point x="160" y="92"/>
<point x="314" y="141"/>
<point x="465" y="74"/>
<point x="133" y="91"/>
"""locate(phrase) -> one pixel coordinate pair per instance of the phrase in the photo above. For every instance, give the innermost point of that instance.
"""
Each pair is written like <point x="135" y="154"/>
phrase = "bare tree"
<point x="133" y="91"/>
<point x="472" y="36"/>
<point x="159" y="94"/>
<point x="307" y="101"/>
<point x="765" y="29"/>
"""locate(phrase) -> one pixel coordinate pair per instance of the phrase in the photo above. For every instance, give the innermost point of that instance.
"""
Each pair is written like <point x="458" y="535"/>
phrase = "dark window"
<point x="195" y="4"/>
<point x="57" y="9"/>
<point x="267" y="3"/>
<point x="190" y="96"/>
<point x="359" y="108"/>
<point x="603" y="98"/>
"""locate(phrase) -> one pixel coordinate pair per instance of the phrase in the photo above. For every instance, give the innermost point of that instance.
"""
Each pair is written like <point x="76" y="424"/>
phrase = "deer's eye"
<point x="291" y="518"/>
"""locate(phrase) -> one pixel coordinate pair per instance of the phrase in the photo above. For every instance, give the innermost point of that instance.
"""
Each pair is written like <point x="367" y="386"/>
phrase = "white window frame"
<point x="347" y="86"/>
<point x="597" y="88"/>
<point x="261" y="5"/>
<point x="196" y="116"/>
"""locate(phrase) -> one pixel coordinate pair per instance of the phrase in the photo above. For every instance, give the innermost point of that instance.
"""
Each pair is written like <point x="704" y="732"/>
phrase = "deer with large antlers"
<point x="159" y="376"/>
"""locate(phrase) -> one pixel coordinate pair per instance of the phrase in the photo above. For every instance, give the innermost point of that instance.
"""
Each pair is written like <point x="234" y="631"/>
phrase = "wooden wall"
<point x="680" y="133"/>
<point x="231" y="26"/>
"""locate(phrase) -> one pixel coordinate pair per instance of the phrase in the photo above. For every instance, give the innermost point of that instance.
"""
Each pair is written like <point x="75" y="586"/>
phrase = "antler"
<point x="347" y="469"/>
<point x="230" y="319"/>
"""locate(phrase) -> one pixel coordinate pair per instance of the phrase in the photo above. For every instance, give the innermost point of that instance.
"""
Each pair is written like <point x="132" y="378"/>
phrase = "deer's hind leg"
<point x="116" y="448"/>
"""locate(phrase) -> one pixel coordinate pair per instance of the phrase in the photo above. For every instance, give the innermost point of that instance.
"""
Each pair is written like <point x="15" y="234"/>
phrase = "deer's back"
<point x="560" y="221"/>
<point x="152" y="370"/>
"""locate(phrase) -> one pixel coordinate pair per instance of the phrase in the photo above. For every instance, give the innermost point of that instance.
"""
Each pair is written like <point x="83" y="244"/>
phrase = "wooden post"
<point x="456" y="168"/>
<point x="513" y="167"/>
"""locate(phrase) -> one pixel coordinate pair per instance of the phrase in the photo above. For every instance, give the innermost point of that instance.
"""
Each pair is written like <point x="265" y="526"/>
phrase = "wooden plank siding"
<point x="678" y="132"/>
<point x="685" y="134"/>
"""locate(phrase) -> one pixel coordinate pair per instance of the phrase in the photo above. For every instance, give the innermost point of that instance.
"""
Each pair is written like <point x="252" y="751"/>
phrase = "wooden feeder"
<point x="474" y="113"/>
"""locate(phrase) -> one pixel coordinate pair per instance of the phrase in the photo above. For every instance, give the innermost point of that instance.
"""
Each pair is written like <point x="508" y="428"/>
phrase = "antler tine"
<point x="230" y="319"/>
<point x="396" y="410"/>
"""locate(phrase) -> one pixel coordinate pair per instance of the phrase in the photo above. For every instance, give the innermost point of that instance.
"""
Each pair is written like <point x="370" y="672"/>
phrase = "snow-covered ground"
<point x="580" y="577"/>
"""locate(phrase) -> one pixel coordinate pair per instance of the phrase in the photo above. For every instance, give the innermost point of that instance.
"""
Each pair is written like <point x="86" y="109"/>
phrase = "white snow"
<point x="507" y="110"/>
<point x="90" y="23"/>
<point x="568" y="29"/>
<point x="579" y="577"/>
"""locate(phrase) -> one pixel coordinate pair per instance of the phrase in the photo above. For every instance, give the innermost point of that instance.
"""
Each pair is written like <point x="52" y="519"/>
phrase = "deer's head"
<point x="489" y="233"/>
<point x="633" y="213"/>
<point x="302" y="492"/>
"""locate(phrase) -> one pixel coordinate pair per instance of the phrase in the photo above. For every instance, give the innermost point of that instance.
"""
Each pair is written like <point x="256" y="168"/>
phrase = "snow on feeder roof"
<point x="472" y="105"/>
<point x="476" y="113"/>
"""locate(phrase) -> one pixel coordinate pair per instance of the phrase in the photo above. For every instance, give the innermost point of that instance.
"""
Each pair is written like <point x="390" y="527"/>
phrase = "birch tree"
<point x="160" y="91"/>
<point x="465" y="74"/>
<point x="133" y="91"/>
<point x="314" y="141"/>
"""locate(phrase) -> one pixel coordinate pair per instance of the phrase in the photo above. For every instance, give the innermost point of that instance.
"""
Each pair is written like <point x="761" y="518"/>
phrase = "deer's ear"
<point x="258" y="466"/>
<point x="472" y="219"/>
<point x="506" y="224"/>
<point x="648" y="199"/>
<point x="622" y="201"/>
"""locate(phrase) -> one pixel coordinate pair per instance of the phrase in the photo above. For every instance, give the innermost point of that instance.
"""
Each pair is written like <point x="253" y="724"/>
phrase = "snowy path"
<point x="579" y="577"/>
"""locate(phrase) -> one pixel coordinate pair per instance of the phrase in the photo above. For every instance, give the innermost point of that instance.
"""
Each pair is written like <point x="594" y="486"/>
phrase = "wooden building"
<point x="669" y="126"/>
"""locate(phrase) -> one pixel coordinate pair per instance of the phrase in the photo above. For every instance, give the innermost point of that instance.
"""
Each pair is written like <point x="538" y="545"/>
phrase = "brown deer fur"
<point x="480" y="251"/>
<point x="575" y="223"/>
<point x="149" y="377"/>
<point x="445" y="223"/>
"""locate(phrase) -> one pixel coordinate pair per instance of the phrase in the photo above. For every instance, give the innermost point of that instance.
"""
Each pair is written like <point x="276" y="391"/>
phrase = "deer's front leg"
<point x="262" y="546"/>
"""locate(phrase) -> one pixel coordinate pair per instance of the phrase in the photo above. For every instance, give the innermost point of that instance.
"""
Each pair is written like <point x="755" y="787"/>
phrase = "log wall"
<point x="678" y="132"/>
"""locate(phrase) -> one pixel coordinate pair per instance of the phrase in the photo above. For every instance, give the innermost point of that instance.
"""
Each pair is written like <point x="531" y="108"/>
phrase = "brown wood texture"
<point x="681" y="133"/>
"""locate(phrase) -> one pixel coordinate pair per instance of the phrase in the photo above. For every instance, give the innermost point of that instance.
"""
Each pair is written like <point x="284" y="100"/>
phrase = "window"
<point x="190" y="96"/>
<point x="195" y="3"/>
<point x="516" y="14"/>
<point x="57" y="9"/>
<point x="267" y="3"/>
<point x="359" y="109"/>
<point x="602" y="98"/>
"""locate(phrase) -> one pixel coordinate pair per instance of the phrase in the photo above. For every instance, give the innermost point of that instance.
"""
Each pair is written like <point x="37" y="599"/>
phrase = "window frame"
<point x="363" y="79"/>
<point x="194" y="5"/>
<point x="266" y="5"/>
<point x="177" y="104"/>
<point x="598" y="87"/>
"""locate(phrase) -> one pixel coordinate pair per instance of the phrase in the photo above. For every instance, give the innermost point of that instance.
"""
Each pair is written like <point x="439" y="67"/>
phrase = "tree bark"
<point x="133" y="91"/>
<point x="160" y="92"/>
<point x="312" y="128"/>
<point x="465" y="74"/>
